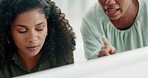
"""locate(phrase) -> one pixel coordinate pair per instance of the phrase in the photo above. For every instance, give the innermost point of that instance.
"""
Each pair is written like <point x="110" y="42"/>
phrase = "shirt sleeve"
<point x="92" y="43"/>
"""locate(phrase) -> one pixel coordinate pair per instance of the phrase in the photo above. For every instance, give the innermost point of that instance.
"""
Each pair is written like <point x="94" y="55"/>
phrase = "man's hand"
<point x="108" y="49"/>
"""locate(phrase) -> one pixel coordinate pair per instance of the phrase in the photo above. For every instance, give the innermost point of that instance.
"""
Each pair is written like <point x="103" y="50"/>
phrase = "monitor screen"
<point x="129" y="64"/>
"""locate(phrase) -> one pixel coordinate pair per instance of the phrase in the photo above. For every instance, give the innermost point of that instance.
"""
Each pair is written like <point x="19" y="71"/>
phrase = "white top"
<point x="95" y="24"/>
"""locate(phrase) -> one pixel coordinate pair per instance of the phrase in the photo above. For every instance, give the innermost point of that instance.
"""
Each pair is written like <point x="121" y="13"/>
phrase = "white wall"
<point x="74" y="10"/>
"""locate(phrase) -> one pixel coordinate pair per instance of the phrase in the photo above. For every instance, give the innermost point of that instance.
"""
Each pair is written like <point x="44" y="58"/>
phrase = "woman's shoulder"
<point x="143" y="3"/>
<point x="4" y="71"/>
<point x="95" y="12"/>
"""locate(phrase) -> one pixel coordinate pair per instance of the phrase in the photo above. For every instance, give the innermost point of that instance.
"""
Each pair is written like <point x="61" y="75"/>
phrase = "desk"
<point x="129" y="64"/>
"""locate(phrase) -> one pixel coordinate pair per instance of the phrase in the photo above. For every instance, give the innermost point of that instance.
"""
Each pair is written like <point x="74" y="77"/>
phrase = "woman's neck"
<point x="30" y="62"/>
<point x="127" y="20"/>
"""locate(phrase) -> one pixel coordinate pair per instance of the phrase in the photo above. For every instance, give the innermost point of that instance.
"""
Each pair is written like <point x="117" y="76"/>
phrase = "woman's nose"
<point x="32" y="37"/>
<point x="110" y="2"/>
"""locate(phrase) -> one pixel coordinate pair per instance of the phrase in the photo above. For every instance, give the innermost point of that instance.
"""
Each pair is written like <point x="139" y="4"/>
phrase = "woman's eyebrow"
<point x="26" y="26"/>
<point x="39" y="23"/>
<point x="21" y="25"/>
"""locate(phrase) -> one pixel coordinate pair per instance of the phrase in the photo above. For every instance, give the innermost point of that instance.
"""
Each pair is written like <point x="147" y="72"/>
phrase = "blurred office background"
<point x="74" y="10"/>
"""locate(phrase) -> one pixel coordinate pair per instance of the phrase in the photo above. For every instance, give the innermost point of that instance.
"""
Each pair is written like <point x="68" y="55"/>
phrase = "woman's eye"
<point x="39" y="28"/>
<point x="21" y="30"/>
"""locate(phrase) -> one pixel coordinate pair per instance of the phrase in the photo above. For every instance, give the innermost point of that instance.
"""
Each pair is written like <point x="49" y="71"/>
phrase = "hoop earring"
<point x="8" y="40"/>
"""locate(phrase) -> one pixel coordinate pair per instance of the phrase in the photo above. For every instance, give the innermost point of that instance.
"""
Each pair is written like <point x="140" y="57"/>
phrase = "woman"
<point x="34" y="36"/>
<point x="113" y="26"/>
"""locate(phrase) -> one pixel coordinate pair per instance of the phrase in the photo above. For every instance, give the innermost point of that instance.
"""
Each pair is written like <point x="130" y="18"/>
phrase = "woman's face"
<point x="29" y="31"/>
<point x="115" y="9"/>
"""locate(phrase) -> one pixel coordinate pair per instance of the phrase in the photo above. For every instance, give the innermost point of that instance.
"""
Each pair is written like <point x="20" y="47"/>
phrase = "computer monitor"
<point x="129" y="64"/>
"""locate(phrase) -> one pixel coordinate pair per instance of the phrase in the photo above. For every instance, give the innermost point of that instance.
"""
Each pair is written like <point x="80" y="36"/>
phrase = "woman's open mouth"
<point x="112" y="11"/>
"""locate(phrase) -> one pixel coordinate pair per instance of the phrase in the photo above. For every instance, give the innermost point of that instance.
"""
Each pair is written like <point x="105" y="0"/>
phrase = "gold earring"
<point x="8" y="40"/>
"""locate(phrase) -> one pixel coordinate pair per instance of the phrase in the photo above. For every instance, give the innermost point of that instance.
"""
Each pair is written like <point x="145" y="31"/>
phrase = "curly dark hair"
<point x="60" y="41"/>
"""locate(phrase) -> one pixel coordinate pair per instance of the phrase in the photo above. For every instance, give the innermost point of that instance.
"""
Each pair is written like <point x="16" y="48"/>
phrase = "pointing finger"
<point x="106" y="42"/>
